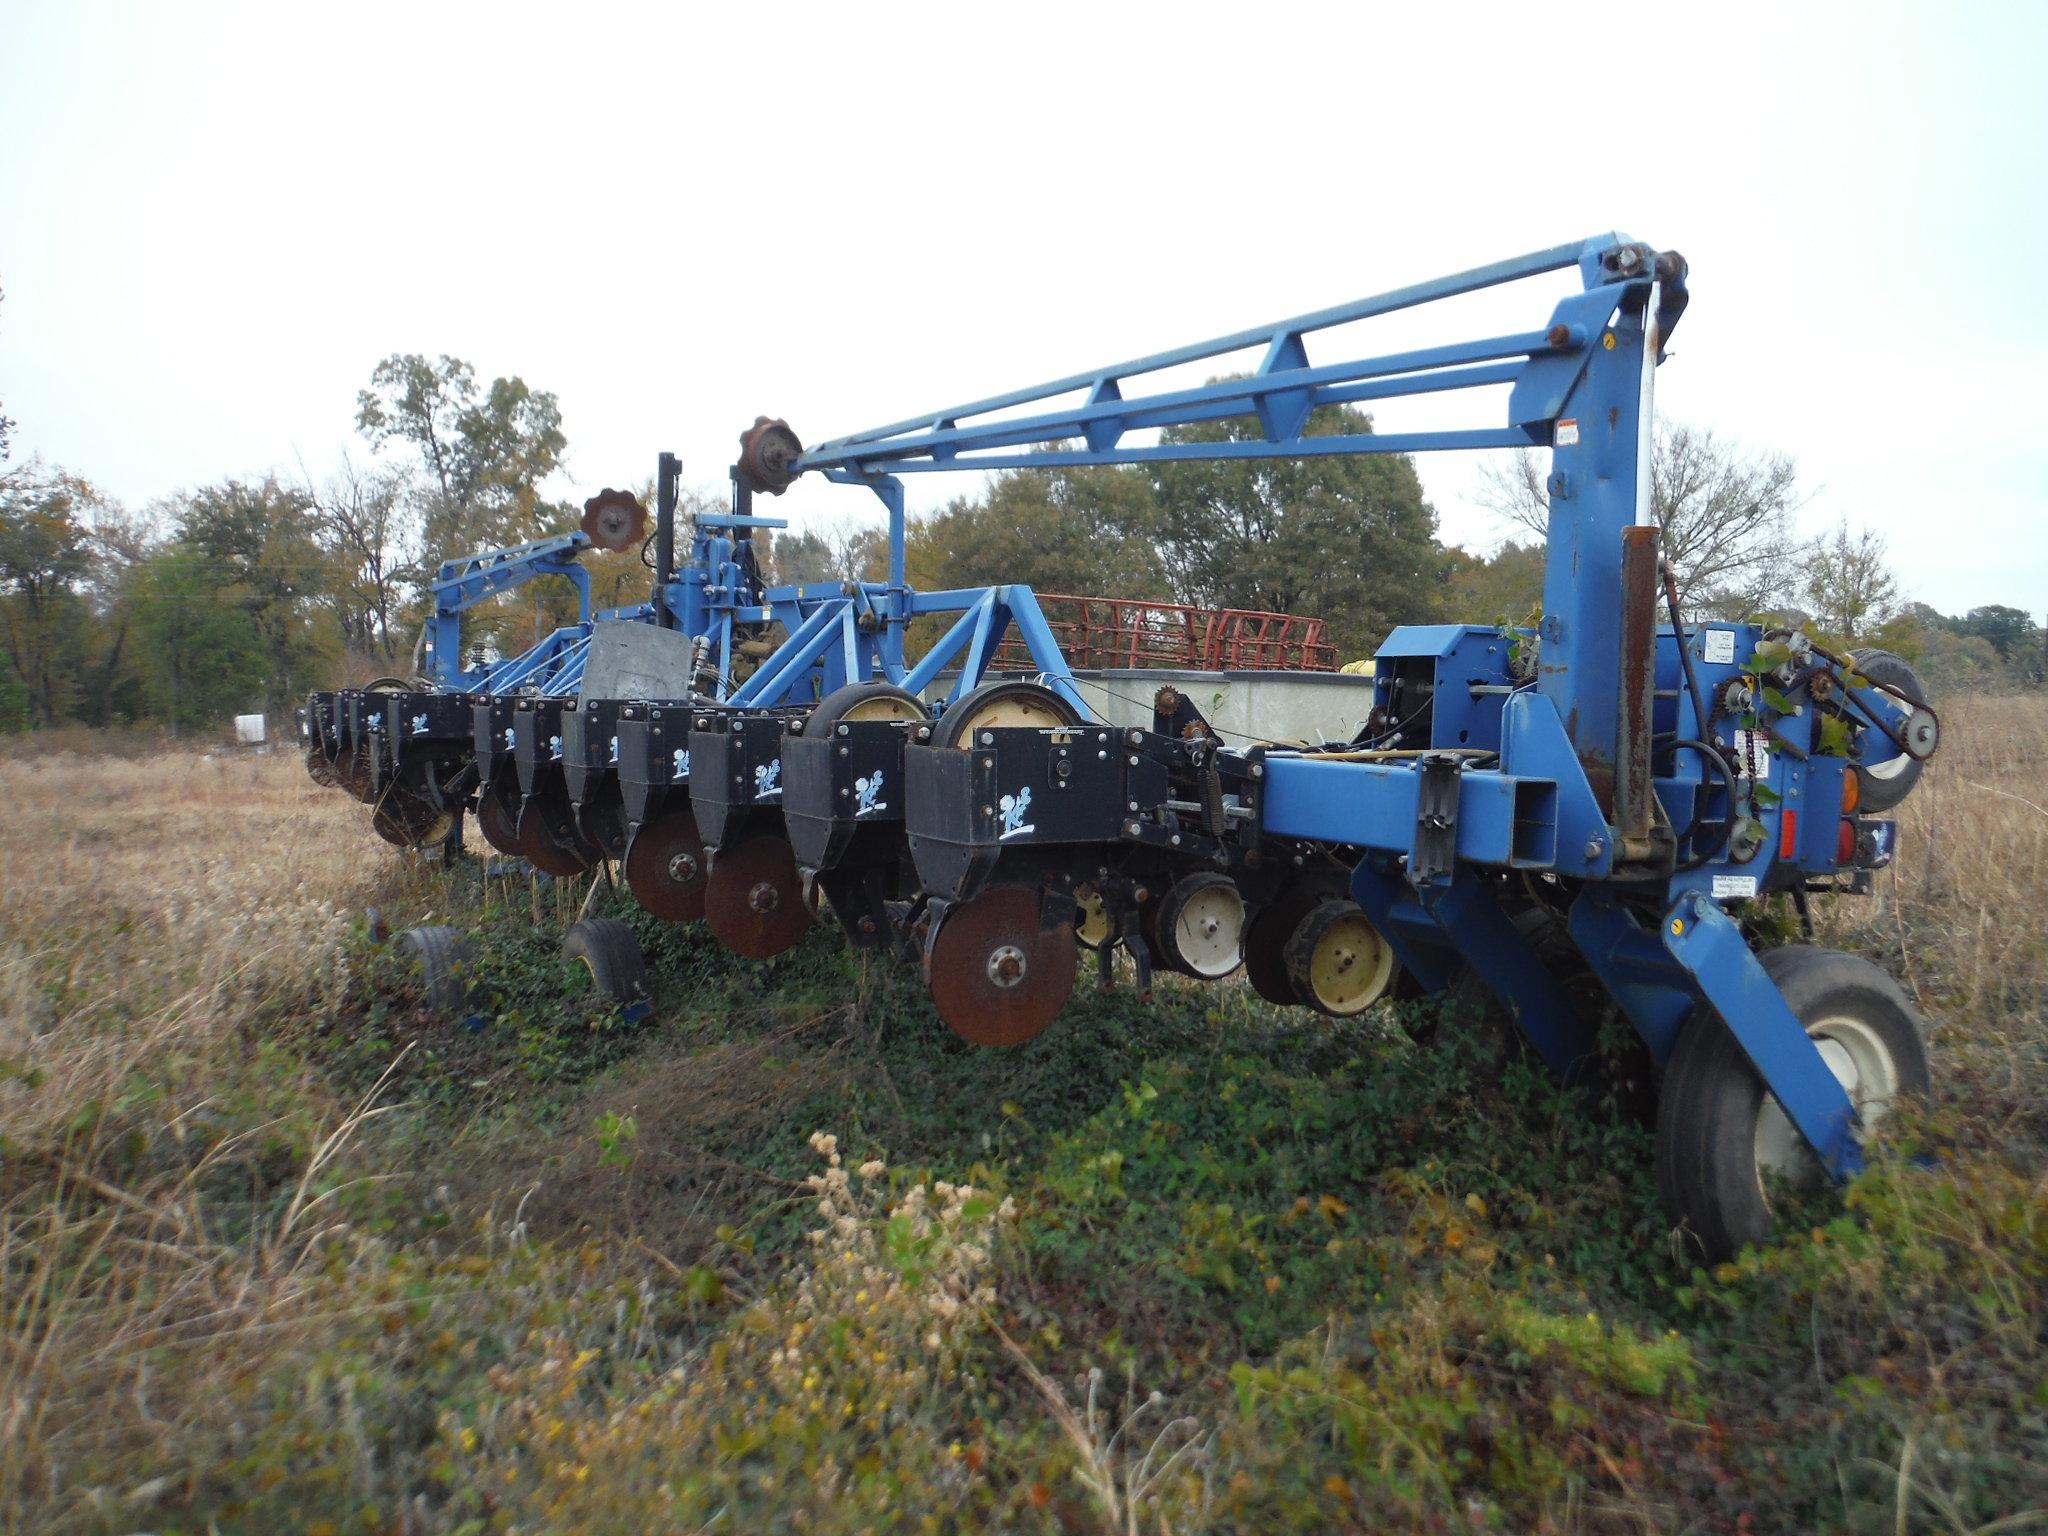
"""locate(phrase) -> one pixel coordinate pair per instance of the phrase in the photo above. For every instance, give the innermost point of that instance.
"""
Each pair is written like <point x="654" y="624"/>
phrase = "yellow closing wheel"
<point x="1337" y="961"/>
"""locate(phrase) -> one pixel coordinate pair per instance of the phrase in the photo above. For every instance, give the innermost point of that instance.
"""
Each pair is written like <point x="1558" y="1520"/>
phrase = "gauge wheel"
<point x="1201" y="926"/>
<point x="537" y="845"/>
<point x="994" y="706"/>
<point x="494" y="818"/>
<point x="1265" y="944"/>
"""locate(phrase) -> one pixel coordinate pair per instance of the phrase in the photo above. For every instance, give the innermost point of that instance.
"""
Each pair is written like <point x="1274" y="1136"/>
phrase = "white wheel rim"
<point x="1890" y="768"/>
<point x="1209" y="933"/>
<point x="1862" y="1064"/>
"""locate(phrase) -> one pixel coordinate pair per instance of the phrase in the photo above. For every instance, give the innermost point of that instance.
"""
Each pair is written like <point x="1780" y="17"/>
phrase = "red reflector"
<point x="1845" y="843"/>
<point x="1788" y="832"/>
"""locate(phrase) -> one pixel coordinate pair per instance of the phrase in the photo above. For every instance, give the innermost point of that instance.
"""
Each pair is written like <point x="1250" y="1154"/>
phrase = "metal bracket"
<point x="1435" y="852"/>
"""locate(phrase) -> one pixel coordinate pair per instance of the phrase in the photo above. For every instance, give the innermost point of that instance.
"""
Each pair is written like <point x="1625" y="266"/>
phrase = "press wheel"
<point x="754" y="899"/>
<point x="665" y="868"/>
<point x="997" y="977"/>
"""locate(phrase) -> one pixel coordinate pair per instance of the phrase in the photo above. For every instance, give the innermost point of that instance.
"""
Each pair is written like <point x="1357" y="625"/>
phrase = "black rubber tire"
<point x="953" y="723"/>
<point x="1265" y="943"/>
<point x="446" y="963"/>
<point x="838" y="703"/>
<point x="611" y="954"/>
<point x="1895" y="672"/>
<point x="1707" y="1121"/>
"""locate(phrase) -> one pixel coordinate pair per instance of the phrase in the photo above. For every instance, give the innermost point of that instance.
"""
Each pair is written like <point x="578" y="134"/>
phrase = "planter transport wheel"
<point x="754" y="899"/>
<point x="611" y="954"/>
<point x="445" y="961"/>
<point x="1201" y="926"/>
<point x="997" y="977"/>
<point x="665" y="868"/>
<point x="1722" y="1140"/>
<point x="1337" y="961"/>
<point x="858" y="702"/>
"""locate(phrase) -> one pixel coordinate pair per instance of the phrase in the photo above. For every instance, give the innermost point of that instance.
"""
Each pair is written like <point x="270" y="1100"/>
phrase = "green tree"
<point x="482" y="453"/>
<point x="1090" y="531"/>
<point x="259" y="542"/>
<point x="204" y="656"/>
<point x="1501" y="588"/>
<point x="1347" y="538"/>
<point x="45" y="561"/>
<point x="2011" y="633"/>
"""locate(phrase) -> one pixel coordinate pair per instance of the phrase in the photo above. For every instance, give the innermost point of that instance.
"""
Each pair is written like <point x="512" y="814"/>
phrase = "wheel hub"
<point x="1006" y="965"/>
<point x="1859" y="1061"/>
<point x="753" y="898"/>
<point x="997" y="976"/>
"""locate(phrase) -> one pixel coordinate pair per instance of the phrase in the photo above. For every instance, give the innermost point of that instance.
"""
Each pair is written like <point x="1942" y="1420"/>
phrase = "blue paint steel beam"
<point x="1555" y="259"/>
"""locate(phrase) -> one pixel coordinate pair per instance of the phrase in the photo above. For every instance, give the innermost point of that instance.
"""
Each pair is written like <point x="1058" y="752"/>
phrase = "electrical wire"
<point x="1720" y="765"/>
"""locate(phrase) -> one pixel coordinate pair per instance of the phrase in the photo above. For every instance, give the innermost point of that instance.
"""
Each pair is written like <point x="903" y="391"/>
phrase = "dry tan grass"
<point x="1962" y="918"/>
<point x="147" y="909"/>
<point x="145" y="905"/>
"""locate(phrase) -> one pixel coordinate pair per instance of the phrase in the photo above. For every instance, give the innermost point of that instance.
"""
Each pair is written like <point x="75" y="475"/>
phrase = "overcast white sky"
<point x="214" y="221"/>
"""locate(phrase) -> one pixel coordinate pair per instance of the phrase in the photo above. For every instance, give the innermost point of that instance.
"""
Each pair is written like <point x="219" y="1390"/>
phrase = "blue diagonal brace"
<point x="1728" y="975"/>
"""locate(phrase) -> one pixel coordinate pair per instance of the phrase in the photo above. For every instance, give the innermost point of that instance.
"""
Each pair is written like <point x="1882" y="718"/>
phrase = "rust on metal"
<point x="665" y="868"/>
<point x="1114" y="632"/>
<point x="537" y="845"/>
<point x="998" y="975"/>
<point x="495" y="820"/>
<point x="768" y="454"/>
<point x="1632" y="813"/>
<point x="754" y="898"/>
<point x="615" y="520"/>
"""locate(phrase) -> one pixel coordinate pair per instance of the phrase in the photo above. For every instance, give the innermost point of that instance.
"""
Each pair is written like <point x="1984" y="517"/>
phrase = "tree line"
<point x="240" y="596"/>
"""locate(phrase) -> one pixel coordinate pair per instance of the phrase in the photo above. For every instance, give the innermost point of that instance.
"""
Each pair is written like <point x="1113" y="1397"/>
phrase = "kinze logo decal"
<point x="867" y="789"/>
<point x="1013" y="808"/>
<point x="768" y="780"/>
